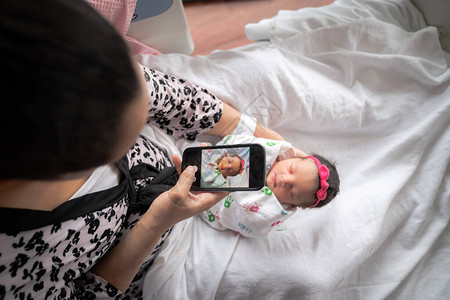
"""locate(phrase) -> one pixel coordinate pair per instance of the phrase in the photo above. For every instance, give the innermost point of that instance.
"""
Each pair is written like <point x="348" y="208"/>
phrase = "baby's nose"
<point x="286" y="180"/>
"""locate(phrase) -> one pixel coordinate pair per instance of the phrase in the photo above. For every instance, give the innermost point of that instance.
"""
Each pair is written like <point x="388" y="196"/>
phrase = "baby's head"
<point x="231" y="165"/>
<point x="310" y="181"/>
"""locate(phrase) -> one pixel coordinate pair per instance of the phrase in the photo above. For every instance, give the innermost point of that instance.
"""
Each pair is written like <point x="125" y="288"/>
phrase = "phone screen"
<point x="230" y="167"/>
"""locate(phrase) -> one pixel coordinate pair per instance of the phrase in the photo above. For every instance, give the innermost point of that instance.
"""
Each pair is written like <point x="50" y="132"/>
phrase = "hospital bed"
<point x="365" y="82"/>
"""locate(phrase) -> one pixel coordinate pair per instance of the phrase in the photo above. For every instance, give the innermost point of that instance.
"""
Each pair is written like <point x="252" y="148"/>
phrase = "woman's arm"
<point x="184" y="109"/>
<point x="229" y="121"/>
<point x="120" y="265"/>
<point x="180" y="107"/>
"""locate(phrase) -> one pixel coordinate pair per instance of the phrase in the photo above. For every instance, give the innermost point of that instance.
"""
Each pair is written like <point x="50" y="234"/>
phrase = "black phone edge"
<point x="231" y="189"/>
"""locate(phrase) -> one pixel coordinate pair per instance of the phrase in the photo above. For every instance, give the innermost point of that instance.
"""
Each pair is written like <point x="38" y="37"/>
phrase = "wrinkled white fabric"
<point x="374" y="94"/>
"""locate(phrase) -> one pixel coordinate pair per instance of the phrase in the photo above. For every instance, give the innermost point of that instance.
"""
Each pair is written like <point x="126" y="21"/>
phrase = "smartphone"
<point x="239" y="167"/>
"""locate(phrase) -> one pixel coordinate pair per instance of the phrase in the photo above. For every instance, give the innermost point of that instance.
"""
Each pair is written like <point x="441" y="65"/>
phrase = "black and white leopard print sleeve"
<point x="179" y="107"/>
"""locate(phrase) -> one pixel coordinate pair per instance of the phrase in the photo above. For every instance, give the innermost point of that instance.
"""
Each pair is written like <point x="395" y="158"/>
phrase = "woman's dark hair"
<point x="333" y="180"/>
<point x="67" y="77"/>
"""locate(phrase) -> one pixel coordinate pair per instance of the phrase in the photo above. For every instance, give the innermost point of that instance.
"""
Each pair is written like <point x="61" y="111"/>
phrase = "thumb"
<point x="184" y="182"/>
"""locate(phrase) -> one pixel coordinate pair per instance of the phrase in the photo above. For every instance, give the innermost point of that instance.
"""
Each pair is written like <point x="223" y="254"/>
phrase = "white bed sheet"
<point x="372" y="92"/>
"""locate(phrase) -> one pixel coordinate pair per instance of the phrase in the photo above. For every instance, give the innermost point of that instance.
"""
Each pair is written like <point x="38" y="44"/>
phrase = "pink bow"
<point x="324" y="173"/>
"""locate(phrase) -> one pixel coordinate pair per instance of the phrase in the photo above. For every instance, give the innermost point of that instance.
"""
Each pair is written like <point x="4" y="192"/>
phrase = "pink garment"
<point x="119" y="13"/>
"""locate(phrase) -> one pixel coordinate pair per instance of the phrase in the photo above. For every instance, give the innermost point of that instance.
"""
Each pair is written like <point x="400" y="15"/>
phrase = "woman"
<point x="75" y="213"/>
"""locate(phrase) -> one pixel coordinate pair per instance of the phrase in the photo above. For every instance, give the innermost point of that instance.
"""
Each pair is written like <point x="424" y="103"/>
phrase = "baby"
<point x="291" y="182"/>
<point x="218" y="165"/>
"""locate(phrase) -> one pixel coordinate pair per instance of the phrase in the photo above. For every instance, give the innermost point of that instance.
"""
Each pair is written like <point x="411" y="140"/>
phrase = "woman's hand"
<point x="120" y="265"/>
<point x="179" y="202"/>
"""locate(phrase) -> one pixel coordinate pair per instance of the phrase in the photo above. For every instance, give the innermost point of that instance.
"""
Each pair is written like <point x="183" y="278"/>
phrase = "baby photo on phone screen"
<point x="225" y="167"/>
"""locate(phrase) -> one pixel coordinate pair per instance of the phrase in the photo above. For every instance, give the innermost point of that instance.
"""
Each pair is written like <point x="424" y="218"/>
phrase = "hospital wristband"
<point x="246" y="126"/>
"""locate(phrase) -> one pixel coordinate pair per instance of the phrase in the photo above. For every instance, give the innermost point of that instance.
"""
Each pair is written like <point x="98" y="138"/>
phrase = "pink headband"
<point x="323" y="174"/>
<point x="242" y="164"/>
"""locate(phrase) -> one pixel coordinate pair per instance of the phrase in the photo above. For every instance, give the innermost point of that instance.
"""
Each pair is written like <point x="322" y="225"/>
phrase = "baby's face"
<point x="293" y="181"/>
<point x="229" y="166"/>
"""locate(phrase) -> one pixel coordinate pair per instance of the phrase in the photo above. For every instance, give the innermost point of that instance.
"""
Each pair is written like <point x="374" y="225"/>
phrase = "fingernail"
<point x="192" y="169"/>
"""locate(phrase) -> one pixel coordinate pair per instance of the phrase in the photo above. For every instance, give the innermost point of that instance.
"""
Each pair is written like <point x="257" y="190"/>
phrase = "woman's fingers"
<point x="180" y="194"/>
<point x="179" y="203"/>
<point x="208" y="199"/>
<point x="177" y="162"/>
